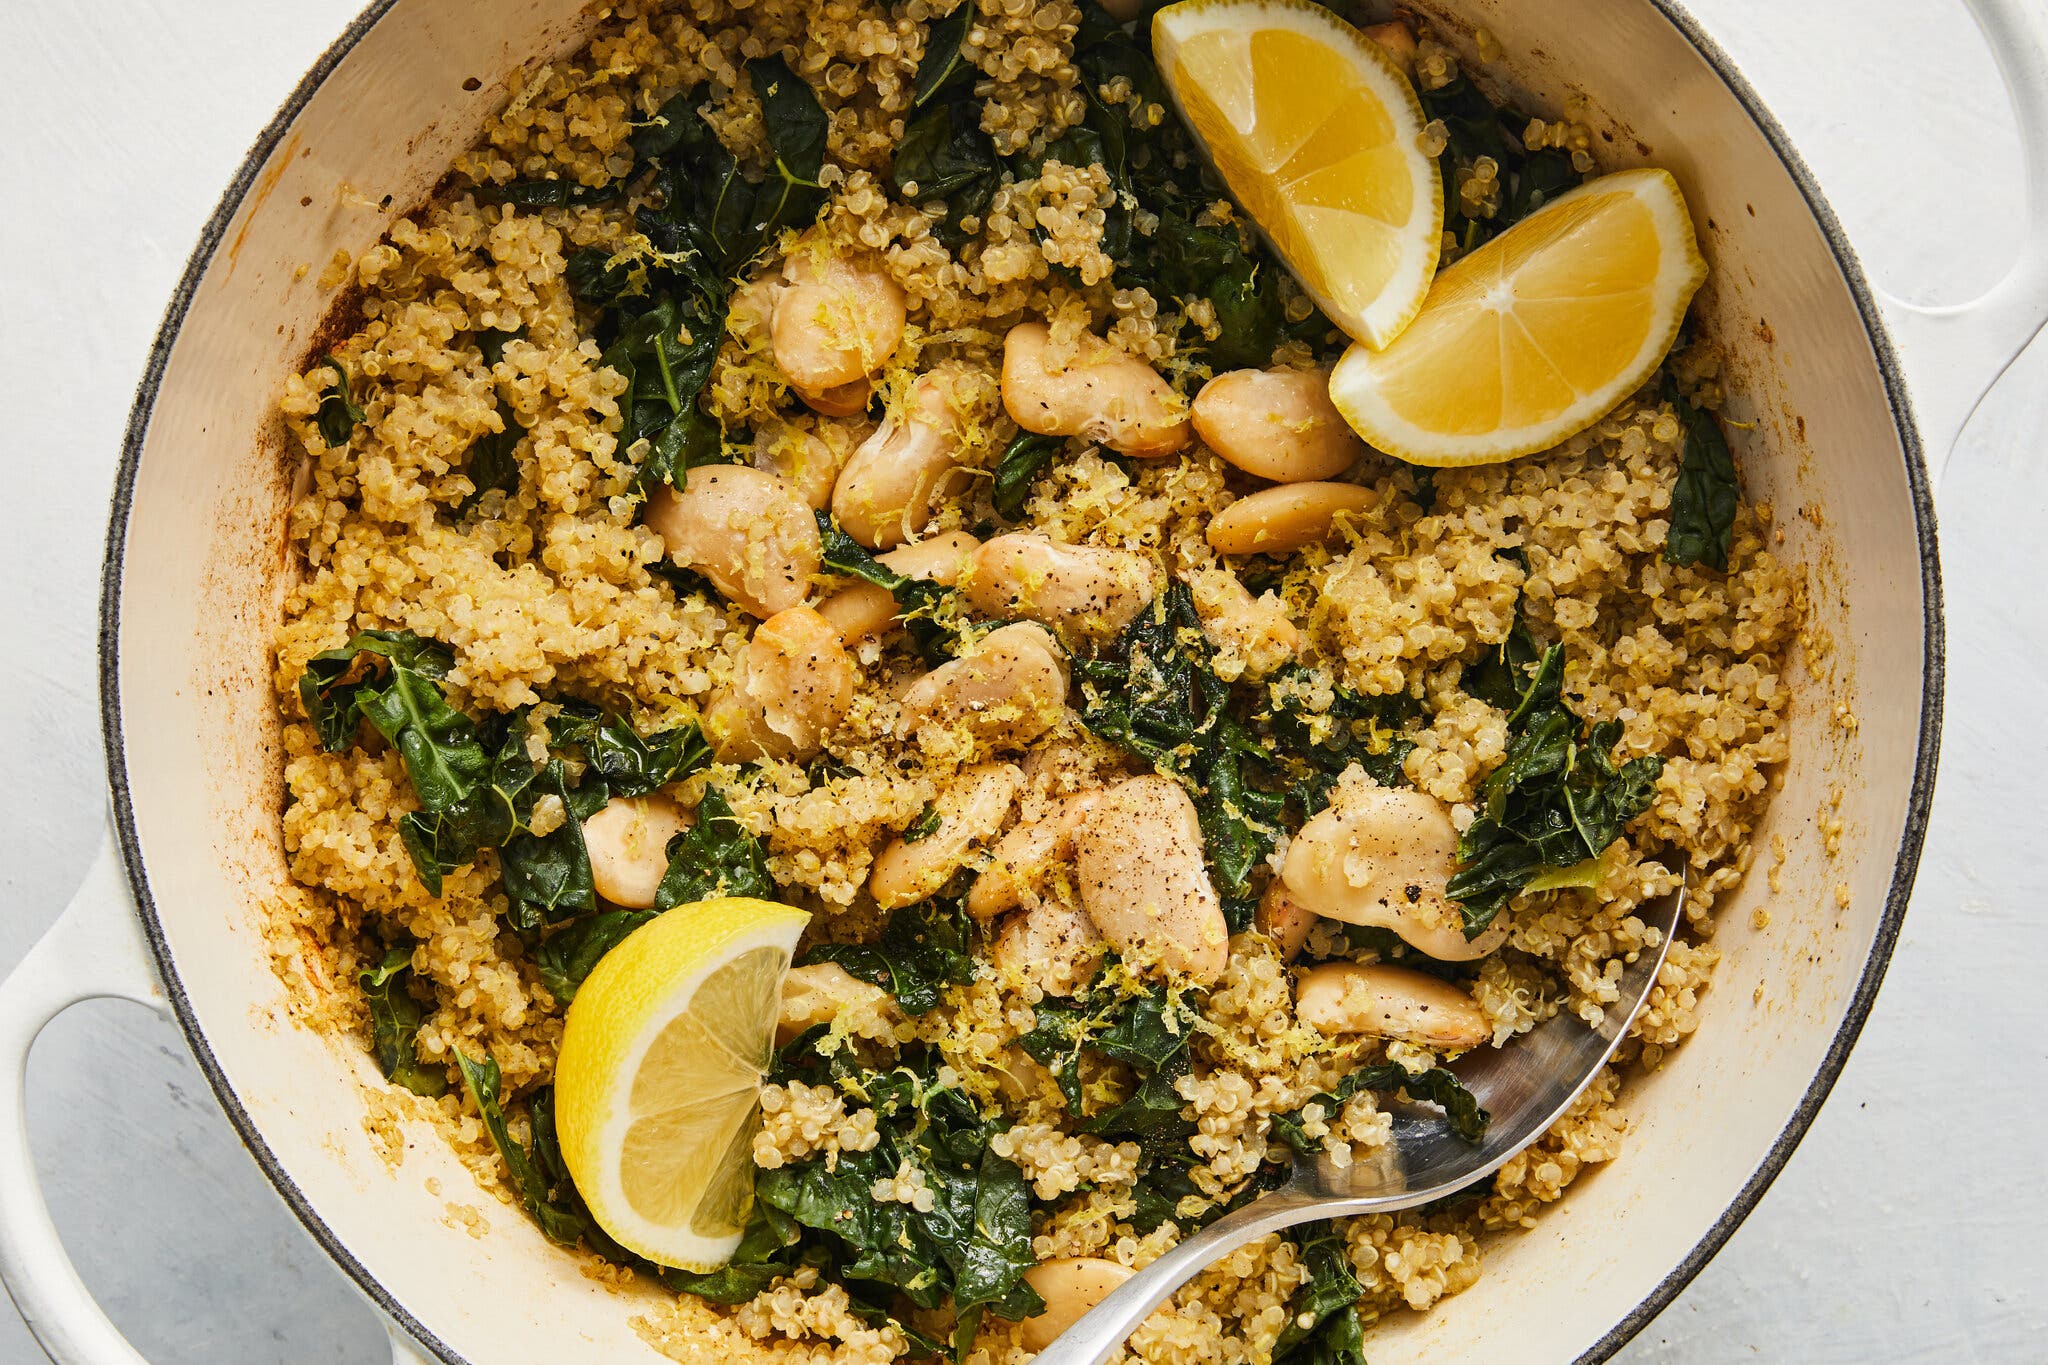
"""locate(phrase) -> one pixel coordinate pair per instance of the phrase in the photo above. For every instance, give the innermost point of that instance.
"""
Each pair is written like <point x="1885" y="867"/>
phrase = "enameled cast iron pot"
<point x="192" y="729"/>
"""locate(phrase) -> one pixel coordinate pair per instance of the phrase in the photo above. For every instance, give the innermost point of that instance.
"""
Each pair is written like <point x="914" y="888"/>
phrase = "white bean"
<point x="970" y="813"/>
<point x="894" y="482"/>
<point x="744" y="529"/>
<point x="1276" y="424"/>
<point x="1382" y="858"/>
<point x="627" y="841"/>
<point x="1283" y="919"/>
<point x="1253" y="632"/>
<point x="820" y="993"/>
<point x="863" y="611"/>
<point x="1389" y="1002"/>
<point x="1279" y="521"/>
<point x="1019" y="862"/>
<point x="1102" y="393"/>
<point x="835" y="323"/>
<point x="794" y="685"/>
<point x="1092" y="589"/>
<point x="1008" y="692"/>
<point x="1053" y="945"/>
<point x="1143" y="880"/>
<point x="808" y="461"/>
<point x="841" y="400"/>
<point x="1070" y="1286"/>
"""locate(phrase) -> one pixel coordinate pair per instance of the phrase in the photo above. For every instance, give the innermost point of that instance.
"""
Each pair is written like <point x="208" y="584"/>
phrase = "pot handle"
<point x="94" y="951"/>
<point x="1954" y="353"/>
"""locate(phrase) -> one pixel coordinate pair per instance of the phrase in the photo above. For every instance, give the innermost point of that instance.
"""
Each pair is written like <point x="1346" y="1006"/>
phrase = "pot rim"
<point x="1861" y="1001"/>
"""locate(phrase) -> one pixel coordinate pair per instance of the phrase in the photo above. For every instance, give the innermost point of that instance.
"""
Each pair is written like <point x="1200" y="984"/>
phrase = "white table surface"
<point x="1909" y="1227"/>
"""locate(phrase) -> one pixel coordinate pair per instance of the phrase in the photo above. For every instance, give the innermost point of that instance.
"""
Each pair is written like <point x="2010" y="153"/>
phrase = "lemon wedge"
<point x="1318" y="134"/>
<point x="1536" y="335"/>
<point x="657" y="1086"/>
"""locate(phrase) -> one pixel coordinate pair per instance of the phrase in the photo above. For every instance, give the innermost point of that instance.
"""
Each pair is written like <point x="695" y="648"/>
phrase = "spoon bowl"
<point x="1525" y="1086"/>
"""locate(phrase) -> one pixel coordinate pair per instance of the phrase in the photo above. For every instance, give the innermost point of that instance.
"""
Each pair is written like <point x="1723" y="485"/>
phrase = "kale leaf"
<point x="796" y="126"/>
<point x="478" y="785"/>
<point x="1476" y="127"/>
<point x="1120" y="1020"/>
<point x="548" y="193"/>
<point x="493" y="464"/>
<point x="566" y="958"/>
<point x="664" y="380"/>
<point x="1155" y="692"/>
<point x="1438" y="1086"/>
<point x="925" y="947"/>
<point x="928" y="609"/>
<point x="1024" y="459"/>
<point x="1317" y="746"/>
<point x="395" y="1024"/>
<point x="1501" y="674"/>
<point x="705" y="221"/>
<point x="944" y="66"/>
<point x="972" y="1246"/>
<point x="1704" y="498"/>
<point x="714" y="857"/>
<point x="332" y="678"/>
<point x="629" y="763"/>
<point x="944" y="155"/>
<point x="1555" y="801"/>
<point x="538" y="1175"/>
<point x="768" y="1249"/>
<point x="1322" y="1317"/>
<point x="338" y="416"/>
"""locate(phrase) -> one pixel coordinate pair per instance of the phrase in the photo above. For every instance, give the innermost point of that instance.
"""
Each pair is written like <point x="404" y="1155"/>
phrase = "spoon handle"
<point x="1098" y="1333"/>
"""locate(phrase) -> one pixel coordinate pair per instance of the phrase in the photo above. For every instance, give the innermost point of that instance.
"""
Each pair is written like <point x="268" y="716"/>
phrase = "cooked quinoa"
<point x="554" y="591"/>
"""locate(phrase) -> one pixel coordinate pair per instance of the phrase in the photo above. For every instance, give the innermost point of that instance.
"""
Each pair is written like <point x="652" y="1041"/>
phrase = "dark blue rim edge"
<point x="1857" y="1014"/>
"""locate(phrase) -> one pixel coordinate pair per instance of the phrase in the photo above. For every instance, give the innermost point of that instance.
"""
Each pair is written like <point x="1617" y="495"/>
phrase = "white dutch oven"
<point x="191" y="726"/>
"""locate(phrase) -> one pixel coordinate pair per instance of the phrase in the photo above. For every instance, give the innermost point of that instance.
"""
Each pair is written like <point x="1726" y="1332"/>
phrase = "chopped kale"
<point x="548" y="193"/>
<point x="1148" y="1031"/>
<point x="1502" y="673"/>
<point x="1704" y="498"/>
<point x="1317" y="746"/>
<point x="971" y="1247"/>
<point x="1438" y="1086"/>
<point x="1155" y="692"/>
<point x="568" y="956"/>
<point x="768" y="1249"/>
<point x="717" y="856"/>
<point x="924" y="826"/>
<point x="478" y="784"/>
<point x="338" y="416"/>
<point x="944" y="66"/>
<point x="1556" y="801"/>
<point x="493" y="464"/>
<point x="927" y="608"/>
<point x="925" y="947"/>
<point x="1476" y="127"/>
<point x="944" y="156"/>
<point x="395" y="1024"/>
<point x="1024" y="459"/>
<point x="538" y="1176"/>
<point x="1322" y="1317"/>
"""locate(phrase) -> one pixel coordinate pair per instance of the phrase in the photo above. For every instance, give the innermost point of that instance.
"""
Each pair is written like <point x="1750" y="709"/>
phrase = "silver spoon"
<point x="1526" y="1086"/>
